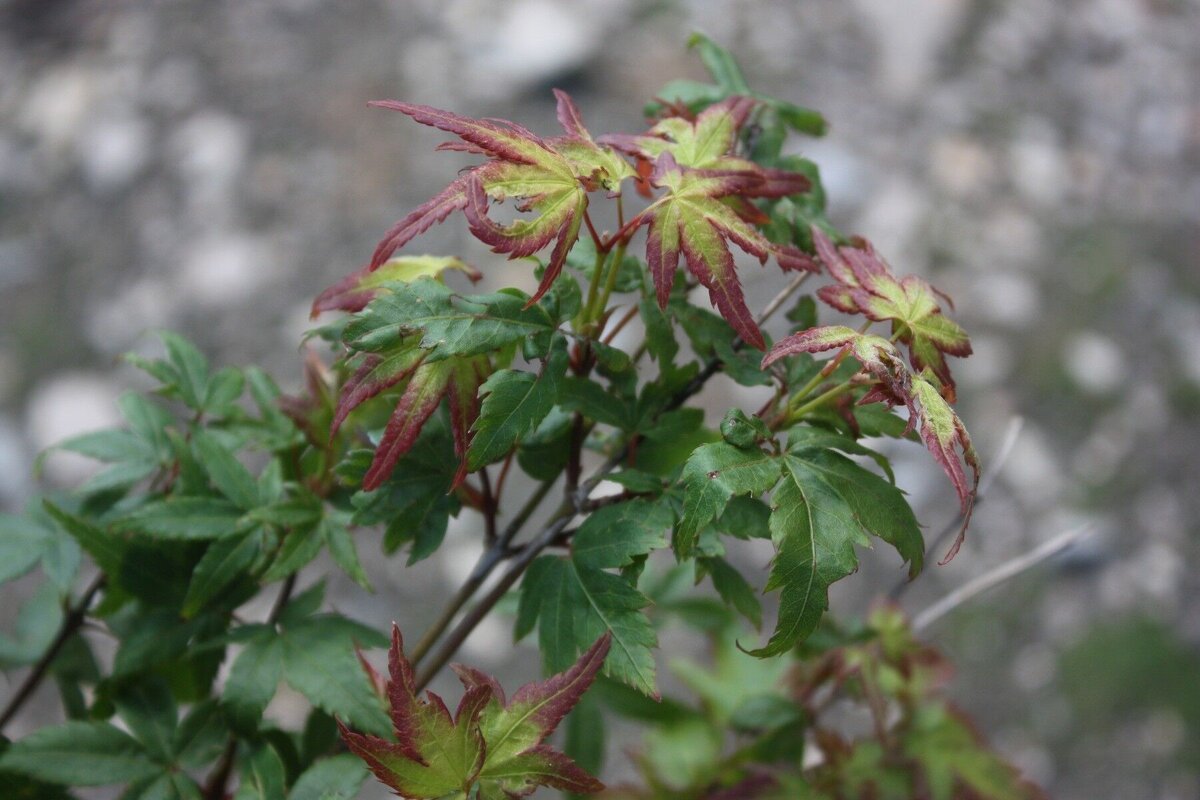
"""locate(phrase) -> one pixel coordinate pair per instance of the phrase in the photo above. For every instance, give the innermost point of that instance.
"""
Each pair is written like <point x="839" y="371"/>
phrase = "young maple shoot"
<point x="434" y="397"/>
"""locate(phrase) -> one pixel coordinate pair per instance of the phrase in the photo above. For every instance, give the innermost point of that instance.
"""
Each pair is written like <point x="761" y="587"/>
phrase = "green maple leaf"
<point x="708" y="142"/>
<point x="514" y="402"/>
<point x="825" y="506"/>
<point x="490" y="747"/>
<point x="940" y="428"/>
<point x="713" y="475"/>
<point x="866" y="285"/>
<point x="432" y="342"/>
<point x="572" y="602"/>
<point x="449" y="324"/>
<point x="954" y="762"/>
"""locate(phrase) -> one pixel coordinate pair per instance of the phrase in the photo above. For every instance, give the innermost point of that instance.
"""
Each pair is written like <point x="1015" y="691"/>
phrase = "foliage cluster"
<point x="221" y="489"/>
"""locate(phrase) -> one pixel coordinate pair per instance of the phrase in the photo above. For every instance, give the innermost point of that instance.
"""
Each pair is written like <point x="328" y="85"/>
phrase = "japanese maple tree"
<point x="423" y="398"/>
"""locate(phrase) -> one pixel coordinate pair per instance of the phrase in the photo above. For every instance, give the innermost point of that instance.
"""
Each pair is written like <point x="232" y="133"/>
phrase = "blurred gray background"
<point x="209" y="166"/>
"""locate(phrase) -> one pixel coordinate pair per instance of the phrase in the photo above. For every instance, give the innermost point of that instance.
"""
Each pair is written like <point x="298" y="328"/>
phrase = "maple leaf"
<point x="491" y="746"/>
<point x="866" y="285"/>
<point x="423" y="333"/>
<point x="690" y="218"/>
<point x="356" y="290"/>
<point x="551" y="177"/>
<point x="939" y="427"/>
<point x="708" y="142"/>
<point x="456" y="378"/>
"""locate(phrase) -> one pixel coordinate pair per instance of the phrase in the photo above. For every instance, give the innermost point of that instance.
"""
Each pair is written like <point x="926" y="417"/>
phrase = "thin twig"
<point x="508" y="461"/>
<point x="481" y="609"/>
<point x="74" y="619"/>
<point x="464" y="593"/>
<point x="531" y="505"/>
<point x="218" y="779"/>
<point x="493" y="556"/>
<point x="1011" y="433"/>
<point x="781" y="298"/>
<point x="609" y="500"/>
<point x="576" y="498"/>
<point x="489" y="507"/>
<point x="612" y="332"/>
<point x="998" y="575"/>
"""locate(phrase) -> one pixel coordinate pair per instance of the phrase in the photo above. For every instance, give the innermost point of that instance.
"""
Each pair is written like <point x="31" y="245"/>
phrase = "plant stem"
<point x="998" y="575"/>
<point x="550" y="534"/>
<point x="610" y="281"/>
<point x="1011" y="433"/>
<point x="819" y="400"/>
<point x="75" y="618"/>
<point x="781" y="298"/>
<point x="489" y="507"/>
<point x="468" y="624"/>
<point x="214" y="787"/>
<point x="585" y="318"/>
<point x="483" y="569"/>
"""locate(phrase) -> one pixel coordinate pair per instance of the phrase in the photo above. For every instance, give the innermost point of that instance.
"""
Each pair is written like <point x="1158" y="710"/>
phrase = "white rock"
<point x="209" y="152"/>
<point x="112" y="326"/>
<point x="910" y="39"/>
<point x="57" y="104"/>
<point x="221" y="269"/>
<point x="962" y="166"/>
<point x="1038" y="164"/>
<point x="531" y="41"/>
<point x="1094" y="362"/>
<point x="1007" y="299"/>
<point x="112" y="152"/>
<point x="66" y="405"/>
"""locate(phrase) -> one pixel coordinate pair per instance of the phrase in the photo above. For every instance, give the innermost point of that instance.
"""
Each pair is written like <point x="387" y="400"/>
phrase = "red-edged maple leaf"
<point x="941" y="430"/>
<point x="866" y="285"/>
<point x="708" y="142"/>
<point x="550" y="177"/>
<point x="490" y="746"/>
<point x="353" y="292"/>
<point x="456" y="378"/>
<point x="690" y="218"/>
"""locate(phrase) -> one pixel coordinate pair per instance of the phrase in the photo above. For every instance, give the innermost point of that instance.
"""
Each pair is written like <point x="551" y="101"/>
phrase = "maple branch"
<point x="989" y="479"/>
<point x="481" y="609"/>
<point x="508" y="460"/>
<point x="488" y="561"/>
<point x="521" y="558"/>
<point x="489" y="506"/>
<point x="621" y="323"/>
<point x="215" y="786"/>
<point x="778" y="300"/>
<point x="610" y="500"/>
<point x="74" y="619"/>
<point x="996" y="576"/>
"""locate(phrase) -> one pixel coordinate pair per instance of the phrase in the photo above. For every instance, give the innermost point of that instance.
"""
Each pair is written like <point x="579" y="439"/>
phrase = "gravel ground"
<point x="208" y="167"/>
